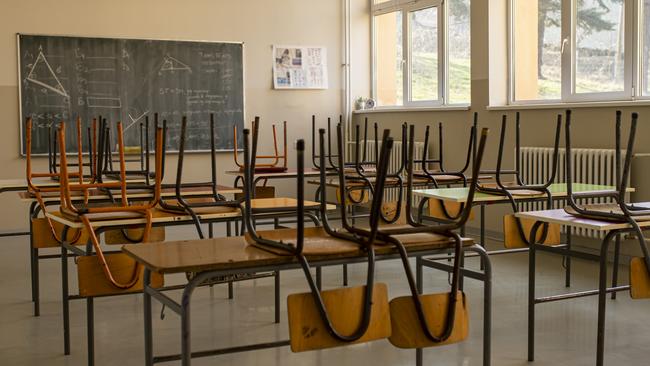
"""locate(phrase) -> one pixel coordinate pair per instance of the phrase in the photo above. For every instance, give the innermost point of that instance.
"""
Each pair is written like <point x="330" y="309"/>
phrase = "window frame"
<point x="406" y="7"/>
<point x="632" y="77"/>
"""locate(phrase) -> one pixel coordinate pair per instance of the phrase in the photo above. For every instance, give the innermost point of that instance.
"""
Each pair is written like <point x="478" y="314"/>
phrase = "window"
<point x="576" y="50"/>
<point x="411" y="64"/>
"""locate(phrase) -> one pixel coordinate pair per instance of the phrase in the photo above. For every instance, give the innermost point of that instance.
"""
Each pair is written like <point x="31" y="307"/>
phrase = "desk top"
<point x="557" y="190"/>
<point x="134" y="193"/>
<point x="334" y="182"/>
<point x="289" y="173"/>
<point x="227" y="254"/>
<point x="20" y="184"/>
<point x="559" y="216"/>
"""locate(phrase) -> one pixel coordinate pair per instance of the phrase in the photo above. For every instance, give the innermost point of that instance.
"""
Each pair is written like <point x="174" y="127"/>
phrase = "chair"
<point x="433" y="319"/>
<point x="439" y="209"/>
<point x="45" y="232"/>
<point x="620" y="210"/>
<point x="515" y="229"/>
<point x="324" y="319"/>
<point x="87" y="214"/>
<point x="275" y="158"/>
<point x="214" y="202"/>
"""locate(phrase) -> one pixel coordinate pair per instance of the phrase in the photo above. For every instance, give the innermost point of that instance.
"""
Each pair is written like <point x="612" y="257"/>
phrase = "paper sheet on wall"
<point x="298" y="67"/>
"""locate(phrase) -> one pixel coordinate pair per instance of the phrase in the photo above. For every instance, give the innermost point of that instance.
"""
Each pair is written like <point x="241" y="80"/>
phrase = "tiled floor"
<point x="565" y="331"/>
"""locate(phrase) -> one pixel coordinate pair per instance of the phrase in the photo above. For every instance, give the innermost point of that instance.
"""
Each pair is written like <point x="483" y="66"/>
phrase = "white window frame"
<point x="406" y="7"/>
<point x="632" y="62"/>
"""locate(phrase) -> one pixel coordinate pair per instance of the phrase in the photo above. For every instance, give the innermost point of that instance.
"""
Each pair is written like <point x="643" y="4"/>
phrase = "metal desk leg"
<point x="319" y="278"/>
<point x="602" y="299"/>
<point x="148" y="325"/>
<point x="418" y="273"/>
<point x="186" y="346"/>
<point x="345" y="275"/>
<point x="36" y="293"/>
<point x="90" y="330"/>
<point x="567" y="259"/>
<point x="231" y="290"/>
<point x="418" y="283"/>
<point x="65" y="301"/>
<point x="531" y="302"/>
<point x="482" y="233"/>
<point x="276" y="278"/>
<point x="33" y="256"/>
<point x="487" y="308"/>
<point x="617" y="254"/>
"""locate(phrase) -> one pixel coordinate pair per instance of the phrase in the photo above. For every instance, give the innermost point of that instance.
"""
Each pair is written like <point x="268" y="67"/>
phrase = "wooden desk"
<point x="160" y="218"/>
<point x="459" y="195"/>
<point x="611" y="230"/>
<point x="230" y="256"/>
<point x="53" y="199"/>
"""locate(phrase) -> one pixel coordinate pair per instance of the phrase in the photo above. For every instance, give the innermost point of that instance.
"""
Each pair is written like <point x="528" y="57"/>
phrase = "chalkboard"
<point x="62" y="78"/>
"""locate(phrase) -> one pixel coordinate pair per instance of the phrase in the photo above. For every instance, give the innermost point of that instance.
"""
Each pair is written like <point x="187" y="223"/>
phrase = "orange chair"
<point x="122" y="209"/>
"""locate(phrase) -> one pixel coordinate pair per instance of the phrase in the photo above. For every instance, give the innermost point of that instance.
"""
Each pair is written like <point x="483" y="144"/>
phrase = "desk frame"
<point x="602" y="291"/>
<point x="183" y="308"/>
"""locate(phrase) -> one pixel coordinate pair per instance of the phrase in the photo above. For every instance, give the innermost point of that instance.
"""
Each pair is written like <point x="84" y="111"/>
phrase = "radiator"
<point x="595" y="166"/>
<point x="391" y="194"/>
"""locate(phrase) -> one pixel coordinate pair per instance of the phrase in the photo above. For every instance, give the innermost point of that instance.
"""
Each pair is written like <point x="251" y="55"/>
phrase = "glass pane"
<point x="599" y="46"/>
<point x="459" y="51"/>
<point x="380" y="1"/>
<point x="388" y="56"/>
<point x="424" y="54"/>
<point x="645" y="51"/>
<point x="536" y="54"/>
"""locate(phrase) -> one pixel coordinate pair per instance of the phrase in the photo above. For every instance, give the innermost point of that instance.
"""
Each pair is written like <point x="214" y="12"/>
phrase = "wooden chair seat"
<point x="317" y="242"/>
<point x="639" y="279"/>
<point x="112" y="237"/>
<point x="453" y="209"/>
<point x="102" y="216"/>
<point x="612" y="208"/>
<point x="512" y="237"/>
<point x="199" y="210"/>
<point x="307" y="331"/>
<point x="42" y="236"/>
<point x="406" y="327"/>
<point x="428" y="241"/>
<point x="93" y="282"/>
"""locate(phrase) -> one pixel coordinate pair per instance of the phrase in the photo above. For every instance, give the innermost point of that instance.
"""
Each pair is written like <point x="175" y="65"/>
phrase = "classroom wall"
<point x="592" y="127"/>
<point x="257" y="23"/>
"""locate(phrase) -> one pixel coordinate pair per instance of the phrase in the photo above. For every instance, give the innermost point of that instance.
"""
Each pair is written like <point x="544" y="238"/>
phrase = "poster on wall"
<point x="299" y="67"/>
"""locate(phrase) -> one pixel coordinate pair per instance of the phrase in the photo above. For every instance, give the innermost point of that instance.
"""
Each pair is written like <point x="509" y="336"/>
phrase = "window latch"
<point x="564" y="43"/>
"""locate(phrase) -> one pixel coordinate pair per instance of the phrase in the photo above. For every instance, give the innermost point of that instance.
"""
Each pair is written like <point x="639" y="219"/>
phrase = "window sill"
<point x="445" y="108"/>
<point x="603" y="104"/>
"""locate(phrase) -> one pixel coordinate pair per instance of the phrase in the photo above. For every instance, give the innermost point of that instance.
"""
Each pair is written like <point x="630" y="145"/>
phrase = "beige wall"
<point x="258" y="23"/>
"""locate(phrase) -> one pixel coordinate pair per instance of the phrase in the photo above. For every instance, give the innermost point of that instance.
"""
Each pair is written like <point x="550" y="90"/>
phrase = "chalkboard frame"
<point x="21" y="147"/>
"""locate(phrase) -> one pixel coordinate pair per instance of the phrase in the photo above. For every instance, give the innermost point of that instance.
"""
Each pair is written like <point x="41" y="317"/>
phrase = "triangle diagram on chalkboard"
<point x="42" y="74"/>
<point x="172" y="64"/>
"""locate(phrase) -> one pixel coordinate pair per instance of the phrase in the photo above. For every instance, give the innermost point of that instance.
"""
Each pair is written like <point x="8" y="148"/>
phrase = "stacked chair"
<point x="618" y="211"/>
<point x="439" y="210"/>
<point x="515" y="229"/>
<point x="214" y="202"/>
<point x="119" y="271"/>
<point x="278" y="162"/>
